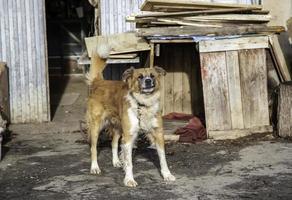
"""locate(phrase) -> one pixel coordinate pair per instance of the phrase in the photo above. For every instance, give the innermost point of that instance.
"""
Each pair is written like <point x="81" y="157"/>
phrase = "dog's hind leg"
<point x="94" y="130"/>
<point x="115" y="146"/>
<point x="159" y="142"/>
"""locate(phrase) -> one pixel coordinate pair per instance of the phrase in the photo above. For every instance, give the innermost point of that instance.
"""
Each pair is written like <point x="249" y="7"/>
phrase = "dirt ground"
<point x="51" y="161"/>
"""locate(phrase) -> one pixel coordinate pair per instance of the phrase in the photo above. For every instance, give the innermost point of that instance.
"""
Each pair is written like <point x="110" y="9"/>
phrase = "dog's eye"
<point x="140" y="76"/>
<point x="151" y="75"/>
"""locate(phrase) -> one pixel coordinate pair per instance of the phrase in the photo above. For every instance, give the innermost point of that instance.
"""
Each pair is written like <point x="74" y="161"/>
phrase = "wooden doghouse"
<point x="234" y="77"/>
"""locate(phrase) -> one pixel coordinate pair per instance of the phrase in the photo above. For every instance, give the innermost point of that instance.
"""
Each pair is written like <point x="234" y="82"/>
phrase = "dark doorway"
<point x="68" y="23"/>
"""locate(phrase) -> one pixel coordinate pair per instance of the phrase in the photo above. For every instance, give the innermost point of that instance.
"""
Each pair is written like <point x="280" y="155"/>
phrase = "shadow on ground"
<point x="56" y="166"/>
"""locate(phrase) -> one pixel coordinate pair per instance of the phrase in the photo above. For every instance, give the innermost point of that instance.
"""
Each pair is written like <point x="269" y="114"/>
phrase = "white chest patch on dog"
<point x="133" y="115"/>
<point x="147" y="117"/>
<point x="143" y="116"/>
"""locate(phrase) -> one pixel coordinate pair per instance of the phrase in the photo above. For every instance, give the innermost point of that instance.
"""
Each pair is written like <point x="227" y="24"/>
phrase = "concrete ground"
<point x="51" y="161"/>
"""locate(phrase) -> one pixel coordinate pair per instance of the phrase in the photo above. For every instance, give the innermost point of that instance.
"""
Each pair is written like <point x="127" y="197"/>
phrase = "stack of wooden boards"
<point x="188" y="17"/>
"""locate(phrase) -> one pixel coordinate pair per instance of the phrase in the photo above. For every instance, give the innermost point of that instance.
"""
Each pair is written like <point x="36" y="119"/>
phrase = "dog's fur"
<point x="124" y="110"/>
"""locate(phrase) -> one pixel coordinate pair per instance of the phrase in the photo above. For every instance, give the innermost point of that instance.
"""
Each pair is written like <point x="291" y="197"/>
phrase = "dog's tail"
<point x="98" y="63"/>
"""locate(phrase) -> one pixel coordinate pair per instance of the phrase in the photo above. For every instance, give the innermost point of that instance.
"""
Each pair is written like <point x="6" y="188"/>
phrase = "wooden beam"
<point x="278" y="57"/>
<point x="198" y="31"/>
<point x="231" y="17"/>
<point x="173" y="41"/>
<point x="189" y="23"/>
<point x="195" y="13"/>
<point x="149" y="4"/>
<point x="152" y="49"/>
<point x="234" y="44"/>
<point x="284" y="112"/>
<point x="238" y="133"/>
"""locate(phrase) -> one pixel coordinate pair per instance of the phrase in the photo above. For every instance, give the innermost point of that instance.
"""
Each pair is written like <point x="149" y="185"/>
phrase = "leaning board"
<point x="175" y="5"/>
<point x="234" y="77"/>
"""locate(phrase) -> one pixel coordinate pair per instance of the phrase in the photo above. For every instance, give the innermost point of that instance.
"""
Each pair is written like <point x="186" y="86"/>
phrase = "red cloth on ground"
<point x="193" y="132"/>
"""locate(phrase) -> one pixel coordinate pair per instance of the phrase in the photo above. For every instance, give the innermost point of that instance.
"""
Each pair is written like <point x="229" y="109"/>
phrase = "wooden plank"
<point x="197" y="96"/>
<point x="232" y="17"/>
<point x="215" y="88"/>
<point x="120" y="61"/>
<point x="233" y="77"/>
<point x="168" y="81"/>
<point x="148" y="4"/>
<point x="253" y="78"/>
<point x="194" y="13"/>
<point x="151" y="55"/>
<point x="278" y="55"/>
<point x="124" y="56"/>
<point x="187" y="66"/>
<point x="162" y="92"/>
<point x="188" y="23"/>
<point x="119" y="43"/>
<point x="284" y="112"/>
<point x="193" y="31"/>
<point x="238" y="133"/>
<point x="177" y="78"/>
<point x="234" y="44"/>
<point x="173" y="41"/>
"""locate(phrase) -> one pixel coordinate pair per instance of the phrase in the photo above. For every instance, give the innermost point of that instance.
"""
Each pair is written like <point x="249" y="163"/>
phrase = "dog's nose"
<point x="148" y="82"/>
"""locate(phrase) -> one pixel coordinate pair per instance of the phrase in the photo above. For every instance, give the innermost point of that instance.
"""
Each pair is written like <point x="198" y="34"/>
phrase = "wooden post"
<point x="4" y="93"/>
<point x="152" y="51"/>
<point x="284" y="113"/>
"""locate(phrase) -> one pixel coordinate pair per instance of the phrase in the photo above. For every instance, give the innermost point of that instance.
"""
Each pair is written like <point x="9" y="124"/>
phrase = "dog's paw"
<point x="168" y="177"/>
<point x="130" y="182"/>
<point x="117" y="163"/>
<point x="95" y="169"/>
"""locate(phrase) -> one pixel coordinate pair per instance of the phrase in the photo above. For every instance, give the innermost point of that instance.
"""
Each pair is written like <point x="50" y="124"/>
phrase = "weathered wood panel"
<point x="235" y="89"/>
<point x="178" y="81"/>
<point x="284" y="112"/>
<point x="23" y="48"/>
<point x="232" y="65"/>
<point x="215" y="86"/>
<point x="234" y="44"/>
<point x="253" y="78"/>
<point x="181" y="87"/>
<point x="168" y="81"/>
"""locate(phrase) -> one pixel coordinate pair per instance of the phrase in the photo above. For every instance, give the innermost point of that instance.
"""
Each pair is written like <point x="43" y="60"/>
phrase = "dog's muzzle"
<point x="147" y="85"/>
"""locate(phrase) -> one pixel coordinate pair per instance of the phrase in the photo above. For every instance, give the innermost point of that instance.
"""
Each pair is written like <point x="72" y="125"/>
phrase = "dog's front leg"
<point x="127" y="147"/>
<point x="159" y="142"/>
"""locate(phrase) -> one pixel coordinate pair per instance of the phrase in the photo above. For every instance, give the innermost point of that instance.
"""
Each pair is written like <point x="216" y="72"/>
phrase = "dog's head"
<point x="143" y="80"/>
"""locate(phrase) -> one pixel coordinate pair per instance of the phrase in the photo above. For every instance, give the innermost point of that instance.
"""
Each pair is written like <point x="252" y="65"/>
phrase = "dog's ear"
<point x="160" y="71"/>
<point x="127" y="74"/>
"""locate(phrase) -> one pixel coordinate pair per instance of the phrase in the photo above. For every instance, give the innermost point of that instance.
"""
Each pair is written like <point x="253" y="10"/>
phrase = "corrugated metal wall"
<point x="113" y="13"/>
<point x="23" y="48"/>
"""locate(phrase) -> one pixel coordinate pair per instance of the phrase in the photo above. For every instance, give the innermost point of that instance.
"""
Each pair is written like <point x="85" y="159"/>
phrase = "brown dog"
<point x="125" y="108"/>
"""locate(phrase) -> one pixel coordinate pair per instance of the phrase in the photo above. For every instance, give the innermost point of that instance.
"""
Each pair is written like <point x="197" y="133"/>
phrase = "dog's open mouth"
<point x="148" y="90"/>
